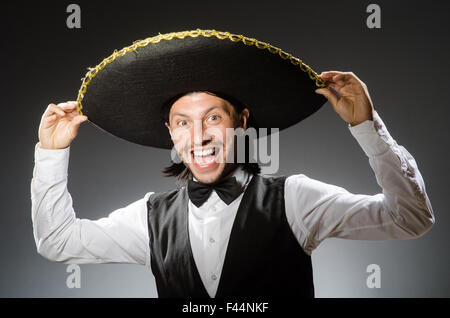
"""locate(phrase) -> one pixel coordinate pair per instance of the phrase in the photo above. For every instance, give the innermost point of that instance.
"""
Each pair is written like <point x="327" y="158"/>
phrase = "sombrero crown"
<point x="126" y="93"/>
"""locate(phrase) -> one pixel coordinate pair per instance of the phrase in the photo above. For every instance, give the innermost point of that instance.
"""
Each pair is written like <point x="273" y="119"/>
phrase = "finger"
<point x="340" y="78"/>
<point x="336" y="86"/>
<point x="48" y="121"/>
<point x="328" y="80"/>
<point x="69" y="106"/>
<point x="344" y="78"/>
<point x="76" y="121"/>
<point x="72" y="113"/>
<point x="330" y="74"/>
<point x="54" y="109"/>
<point x="330" y="95"/>
<point x="51" y="118"/>
<point x="340" y="82"/>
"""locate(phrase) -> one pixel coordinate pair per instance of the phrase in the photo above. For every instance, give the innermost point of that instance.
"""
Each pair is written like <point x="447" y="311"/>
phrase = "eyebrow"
<point x="205" y="112"/>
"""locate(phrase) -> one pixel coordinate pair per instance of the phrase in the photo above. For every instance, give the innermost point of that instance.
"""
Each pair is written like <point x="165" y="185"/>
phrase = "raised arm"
<point x="59" y="235"/>
<point x="317" y="210"/>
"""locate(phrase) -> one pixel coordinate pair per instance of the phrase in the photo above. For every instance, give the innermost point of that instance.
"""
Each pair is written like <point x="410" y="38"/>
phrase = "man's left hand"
<point x="354" y="105"/>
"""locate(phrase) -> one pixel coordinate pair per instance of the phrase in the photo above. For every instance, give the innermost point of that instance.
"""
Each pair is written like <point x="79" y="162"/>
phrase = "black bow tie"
<point x="227" y="189"/>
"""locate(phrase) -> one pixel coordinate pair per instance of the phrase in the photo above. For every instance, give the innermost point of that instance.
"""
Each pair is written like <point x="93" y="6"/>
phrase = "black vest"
<point x="263" y="257"/>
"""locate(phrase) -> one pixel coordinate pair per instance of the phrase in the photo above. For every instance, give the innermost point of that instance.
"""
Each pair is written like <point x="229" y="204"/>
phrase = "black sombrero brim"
<point x="125" y="93"/>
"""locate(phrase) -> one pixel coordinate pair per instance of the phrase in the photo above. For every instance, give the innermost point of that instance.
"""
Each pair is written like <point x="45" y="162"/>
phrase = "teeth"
<point x="203" y="163"/>
<point x="206" y="152"/>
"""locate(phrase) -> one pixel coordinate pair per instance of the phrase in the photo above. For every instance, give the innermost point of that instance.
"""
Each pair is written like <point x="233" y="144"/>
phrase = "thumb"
<point x="76" y="122"/>
<point x="329" y="94"/>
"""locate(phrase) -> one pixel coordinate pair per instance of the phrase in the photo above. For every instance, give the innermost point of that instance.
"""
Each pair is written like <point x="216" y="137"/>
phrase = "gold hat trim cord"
<point x="193" y="33"/>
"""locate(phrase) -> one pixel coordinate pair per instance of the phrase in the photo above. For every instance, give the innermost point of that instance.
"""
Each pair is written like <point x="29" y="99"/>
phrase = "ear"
<point x="168" y="127"/>
<point x="243" y="117"/>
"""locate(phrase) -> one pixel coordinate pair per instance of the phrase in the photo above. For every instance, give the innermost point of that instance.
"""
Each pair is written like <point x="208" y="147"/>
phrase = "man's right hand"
<point x="59" y="125"/>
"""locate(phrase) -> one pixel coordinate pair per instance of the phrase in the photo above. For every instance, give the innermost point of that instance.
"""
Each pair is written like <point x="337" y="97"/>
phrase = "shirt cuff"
<point x="50" y="164"/>
<point x="372" y="136"/>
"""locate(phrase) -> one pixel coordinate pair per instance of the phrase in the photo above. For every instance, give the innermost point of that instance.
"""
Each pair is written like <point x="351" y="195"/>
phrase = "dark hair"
<point x="180" y="170"/>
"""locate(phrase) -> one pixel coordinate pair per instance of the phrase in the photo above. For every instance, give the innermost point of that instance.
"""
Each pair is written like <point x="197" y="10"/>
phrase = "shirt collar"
<point x="242" y="178"/>
<point x="240" y="174"/>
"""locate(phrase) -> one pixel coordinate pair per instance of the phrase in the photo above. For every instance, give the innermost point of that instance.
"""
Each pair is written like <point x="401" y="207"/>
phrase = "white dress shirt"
<point x="314" y="210"/>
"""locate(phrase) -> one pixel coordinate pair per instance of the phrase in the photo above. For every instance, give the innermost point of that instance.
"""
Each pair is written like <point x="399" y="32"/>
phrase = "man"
<point x="229" y="231"/>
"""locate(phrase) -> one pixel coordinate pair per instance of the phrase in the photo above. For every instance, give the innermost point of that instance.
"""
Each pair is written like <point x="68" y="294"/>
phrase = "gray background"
<point x="405" y="65"/>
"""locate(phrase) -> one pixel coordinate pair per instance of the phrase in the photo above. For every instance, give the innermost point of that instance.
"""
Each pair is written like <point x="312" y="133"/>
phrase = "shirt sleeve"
<point x="60" y="236"/>
<point x="316" y="210"/>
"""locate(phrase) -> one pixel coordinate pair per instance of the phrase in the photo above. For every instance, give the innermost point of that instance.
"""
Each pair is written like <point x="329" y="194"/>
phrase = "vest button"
<point x="213" y="277"/>
<point x="211" y="240"/>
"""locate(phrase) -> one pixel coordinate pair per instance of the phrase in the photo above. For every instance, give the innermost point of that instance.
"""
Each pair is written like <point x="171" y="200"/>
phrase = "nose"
<point x="201" y="136"/>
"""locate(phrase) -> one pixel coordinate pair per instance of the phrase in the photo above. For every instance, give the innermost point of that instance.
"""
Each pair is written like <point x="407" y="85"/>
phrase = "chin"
<point x="206" y="176"/>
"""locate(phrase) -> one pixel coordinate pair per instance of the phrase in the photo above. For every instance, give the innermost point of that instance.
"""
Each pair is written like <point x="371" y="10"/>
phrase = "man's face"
<point x="198" y="125"/>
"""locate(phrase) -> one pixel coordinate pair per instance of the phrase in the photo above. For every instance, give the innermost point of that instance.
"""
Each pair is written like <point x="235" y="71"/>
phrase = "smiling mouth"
<point x="204" y="157"/>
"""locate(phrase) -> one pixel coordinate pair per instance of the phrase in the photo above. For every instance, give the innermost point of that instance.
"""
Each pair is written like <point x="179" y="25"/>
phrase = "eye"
<point x="182" y="123"/>
<point x="213" y="117"/>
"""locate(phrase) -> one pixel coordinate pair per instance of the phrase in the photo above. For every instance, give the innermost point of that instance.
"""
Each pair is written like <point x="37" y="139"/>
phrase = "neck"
<point x="229" y="169"/>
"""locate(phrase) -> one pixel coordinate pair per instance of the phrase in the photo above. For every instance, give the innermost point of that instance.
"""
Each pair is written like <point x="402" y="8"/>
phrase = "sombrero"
<point x="126" y="93"/>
